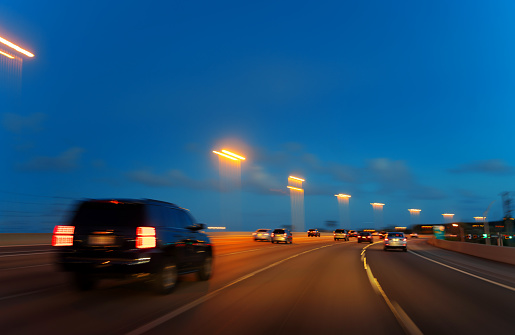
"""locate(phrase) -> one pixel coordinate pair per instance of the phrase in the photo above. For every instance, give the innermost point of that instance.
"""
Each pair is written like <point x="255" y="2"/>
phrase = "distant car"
<point x="340" y="234"/>
<point x="262" y="235"/>
<point x="365" y="237"/>
<point x="413" y="235"/>
<point x="353" y="233"/>
<point x="382" y="234"/>
<point x="282" y="235"/>
<point x="313" y="233"/>
<point x="395" y="240"/>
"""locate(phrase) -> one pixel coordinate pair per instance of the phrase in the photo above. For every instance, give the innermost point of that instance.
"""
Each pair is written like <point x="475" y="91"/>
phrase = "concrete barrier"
<point x="491" y="252"/>
<point x="12" y="239"/>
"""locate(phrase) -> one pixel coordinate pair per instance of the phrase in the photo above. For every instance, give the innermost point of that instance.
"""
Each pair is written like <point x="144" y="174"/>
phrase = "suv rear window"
<point x="339" y="231"/>
<point x="395" y="235"/>
<point x="279" y="231"/>
<point x="109" y="214"/>
<point x="262" y="230"/>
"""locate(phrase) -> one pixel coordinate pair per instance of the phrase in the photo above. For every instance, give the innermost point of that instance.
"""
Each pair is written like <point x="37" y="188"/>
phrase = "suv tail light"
<point x="63" y="236"/>
<point x="285" y="235"/>
<point x="386" y="238"/>
<point x="404" y="239"/>
<point x="145" y="237"/>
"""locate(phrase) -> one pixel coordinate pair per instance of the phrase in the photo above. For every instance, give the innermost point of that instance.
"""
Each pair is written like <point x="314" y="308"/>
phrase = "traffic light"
<point x="484" y="235"/>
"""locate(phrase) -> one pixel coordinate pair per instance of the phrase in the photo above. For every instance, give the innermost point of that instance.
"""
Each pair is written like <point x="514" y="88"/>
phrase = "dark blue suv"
<point x="143" y="238"/>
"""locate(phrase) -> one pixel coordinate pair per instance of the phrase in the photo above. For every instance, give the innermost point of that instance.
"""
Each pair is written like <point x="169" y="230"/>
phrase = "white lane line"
<point x="26" y="267"/>
<point x="239" y="252"/>
<point x="24" y="245"/>
<point x="28" y="254"/>
<point x="26" y="293"/>
<point x="465" y="272"/>
<point x="404" y="320"/>
<point x="153" y="324"/>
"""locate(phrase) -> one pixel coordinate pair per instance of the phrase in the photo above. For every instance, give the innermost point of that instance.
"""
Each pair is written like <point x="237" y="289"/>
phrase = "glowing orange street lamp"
<point x="6" y="55"/>
<point x="342" y="196"/>
<point x="15" y="47"/>
<point x="295" y="188"/>
<point x="448" y="215"/>
<point x="414" y="211"/>
<point x="479" y="218"/>
<point x="296" y="178"/>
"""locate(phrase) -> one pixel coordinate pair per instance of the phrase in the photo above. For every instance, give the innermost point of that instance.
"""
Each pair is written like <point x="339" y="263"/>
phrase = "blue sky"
<point x="406" y="103"/>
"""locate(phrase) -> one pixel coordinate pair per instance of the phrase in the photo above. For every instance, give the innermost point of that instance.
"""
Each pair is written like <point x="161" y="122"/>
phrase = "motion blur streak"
<point x="233" y="154"/>
<point x="173" y="314"/>
<point x="15" y="47"/>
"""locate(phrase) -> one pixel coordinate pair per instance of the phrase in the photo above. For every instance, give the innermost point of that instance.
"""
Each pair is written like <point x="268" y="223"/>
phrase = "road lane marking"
<point x="26" y="293"/>
<point x="27" y="254"/>
<point x="153" y="324"/>
<point x="404" y="320"/>
<point x="26" y="267"/>
<point x="24" y="245"/>
<point x="465" y="272"/>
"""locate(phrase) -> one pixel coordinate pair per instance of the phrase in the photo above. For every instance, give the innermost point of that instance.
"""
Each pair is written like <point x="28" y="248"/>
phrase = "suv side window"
<point x="183" y="219"/>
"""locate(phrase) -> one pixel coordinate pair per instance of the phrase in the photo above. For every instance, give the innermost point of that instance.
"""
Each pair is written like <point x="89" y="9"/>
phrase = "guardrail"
<point x="491" y="252"/>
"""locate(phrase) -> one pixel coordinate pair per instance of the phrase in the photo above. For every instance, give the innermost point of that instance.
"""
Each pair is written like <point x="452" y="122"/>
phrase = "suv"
<point x="132" y="238"/>
<point x="282" y="235"/>
<point x="395" y="240"/>
<point x="313" y="232"/>
<point x="353" y="233"/>
<point x="340" y="234"/>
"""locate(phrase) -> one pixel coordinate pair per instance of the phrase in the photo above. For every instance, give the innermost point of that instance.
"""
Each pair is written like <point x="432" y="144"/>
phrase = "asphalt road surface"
<point x="313" y="286"/>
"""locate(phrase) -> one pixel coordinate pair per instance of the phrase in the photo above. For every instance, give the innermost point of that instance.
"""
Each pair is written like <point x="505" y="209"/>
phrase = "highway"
<point x="313" y="286"/>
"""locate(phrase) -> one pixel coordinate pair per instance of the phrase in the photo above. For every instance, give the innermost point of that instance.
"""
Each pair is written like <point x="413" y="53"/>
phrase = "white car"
<point x="395" y="240"/>
<point x="262" y="235"/>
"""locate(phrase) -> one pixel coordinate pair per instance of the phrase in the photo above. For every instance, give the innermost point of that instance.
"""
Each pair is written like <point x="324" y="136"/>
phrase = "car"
<point x="282" y="235"/>
<point x="340" y="234"/>
<point x="353" y="233"/>
<point x="132" y="238"/>
<point x="413" y="235"/>
<point x="365" y="237"/>
<point x="262" y="235"/>
<point x="313" y="232"/>
<point x="382" y="234"/>
<point x="395" y="240"/>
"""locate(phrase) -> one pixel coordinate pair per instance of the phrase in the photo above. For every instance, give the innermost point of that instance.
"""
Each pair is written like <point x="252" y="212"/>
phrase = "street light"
<point x="15" y="47"/>
<point x="297" y="202"/>
<point x="230" y="186"/>
<point x="343" y="206"/>
<point x="378" y="213"/>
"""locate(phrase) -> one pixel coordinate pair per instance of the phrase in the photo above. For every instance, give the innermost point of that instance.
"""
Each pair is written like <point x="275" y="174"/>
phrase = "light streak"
<point x="6" y="55"/>
<point x="376" y="204"/>
<point x="448" y="214"/>
<point x="233" y="154"/>
<point x="414" y="210"/>
<point x="296" y="178"/>
<point x="15" y="47"/>
<point x="295" y="188"/>
<point x="227" y="156"/>
<point x="342" y="195"/>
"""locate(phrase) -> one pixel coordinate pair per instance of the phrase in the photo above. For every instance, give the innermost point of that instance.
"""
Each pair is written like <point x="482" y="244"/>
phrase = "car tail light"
<point x="145" y="237"/>
<point x="386" y="239"/>
<point x="63" y="236"/>
<point x="404" y="239"/>
<point x="285" y="235"/>
<point x="273" y="235"/>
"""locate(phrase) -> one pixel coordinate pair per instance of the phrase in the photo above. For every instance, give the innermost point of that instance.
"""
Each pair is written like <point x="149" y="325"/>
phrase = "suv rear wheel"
<point x="165" y="279"/>
<point x="204" y="272"/>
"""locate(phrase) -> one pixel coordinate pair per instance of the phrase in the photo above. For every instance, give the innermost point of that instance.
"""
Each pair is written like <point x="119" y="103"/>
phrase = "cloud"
<point x="490" y="166"/>
<point x="172" y="178"/>
<point x="65" y="162"/>
<point x="18" y="123"/>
